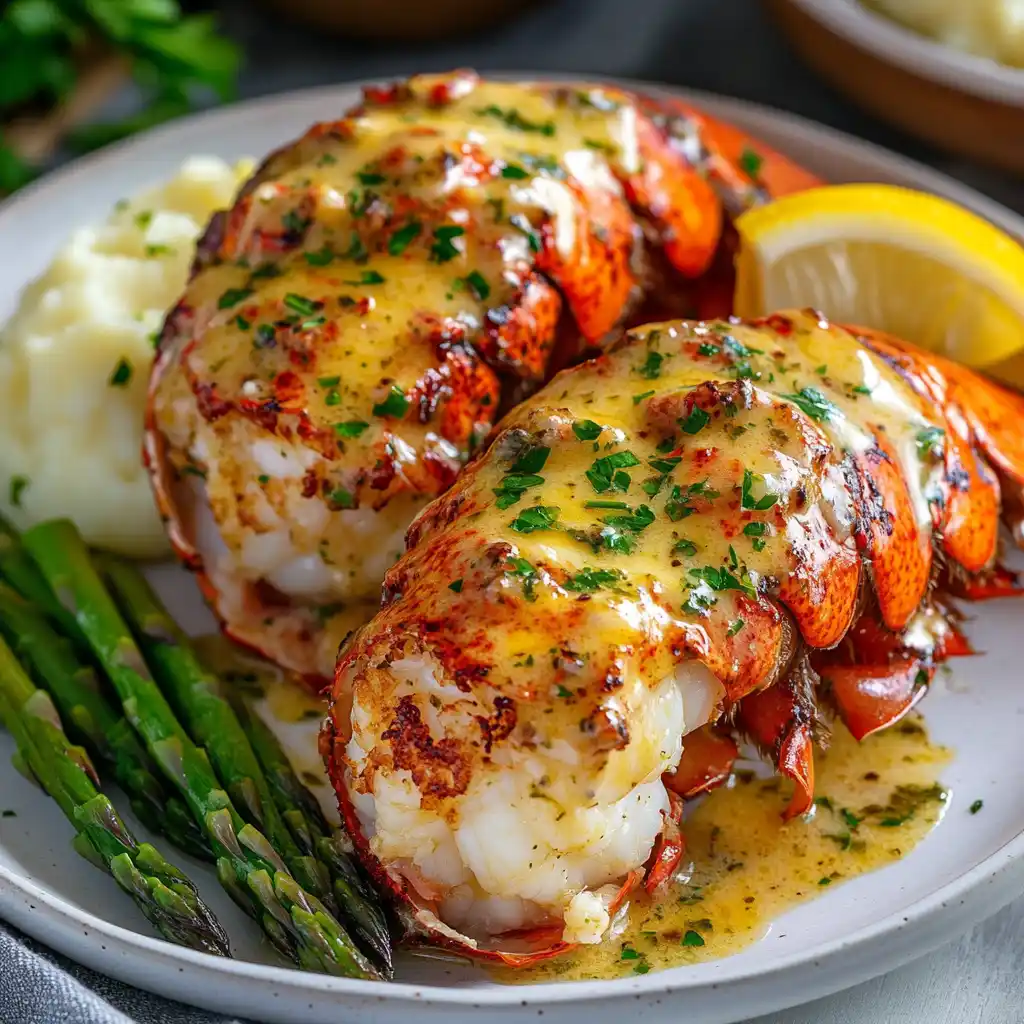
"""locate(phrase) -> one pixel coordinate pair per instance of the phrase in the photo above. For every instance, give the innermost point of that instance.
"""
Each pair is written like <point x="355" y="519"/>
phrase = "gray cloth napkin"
<point x="725" y="46"/>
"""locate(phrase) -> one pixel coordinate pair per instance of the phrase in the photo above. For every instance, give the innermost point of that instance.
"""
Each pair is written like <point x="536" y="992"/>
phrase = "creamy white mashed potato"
<point x="76" y="355"/>
<point x="988" y="28"/>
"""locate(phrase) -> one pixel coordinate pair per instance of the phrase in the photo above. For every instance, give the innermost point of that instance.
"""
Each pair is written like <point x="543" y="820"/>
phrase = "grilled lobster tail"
<point x="716" y="528"/>
<point x="380" y="291"/>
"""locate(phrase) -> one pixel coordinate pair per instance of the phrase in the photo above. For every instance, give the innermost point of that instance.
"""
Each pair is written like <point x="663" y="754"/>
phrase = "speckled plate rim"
<point x="928" y="58"/>
<point x="286" y="995"/>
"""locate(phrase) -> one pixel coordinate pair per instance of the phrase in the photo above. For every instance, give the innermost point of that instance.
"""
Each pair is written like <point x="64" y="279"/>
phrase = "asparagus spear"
<point x="161" y="891"/>
<point x="194" y="695"/>
<point x="301" y="810"/>
<point x="96" y="724"/>
<point x="17" y="567"/>
<point x="248" y="867"/>
<point x="250" y="762"/>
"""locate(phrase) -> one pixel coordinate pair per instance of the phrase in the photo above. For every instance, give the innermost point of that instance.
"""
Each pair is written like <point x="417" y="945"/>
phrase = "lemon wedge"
<point x="906" y="262"/>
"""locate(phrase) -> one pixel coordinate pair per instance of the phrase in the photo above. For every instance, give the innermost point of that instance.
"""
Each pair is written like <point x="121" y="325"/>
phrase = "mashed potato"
<point x="75" y="361"/>
<point x="987" y="28"/>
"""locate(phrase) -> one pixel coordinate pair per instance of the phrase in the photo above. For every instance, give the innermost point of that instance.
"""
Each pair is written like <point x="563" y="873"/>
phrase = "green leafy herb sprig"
<point x="171" y="55"/>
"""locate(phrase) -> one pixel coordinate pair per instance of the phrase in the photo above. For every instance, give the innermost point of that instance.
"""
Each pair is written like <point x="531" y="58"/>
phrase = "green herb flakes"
<point x="394" y="405"/>
<point x="350" y="428"/>
<point x="16" y="488"/>
<point x="121" y="375"/>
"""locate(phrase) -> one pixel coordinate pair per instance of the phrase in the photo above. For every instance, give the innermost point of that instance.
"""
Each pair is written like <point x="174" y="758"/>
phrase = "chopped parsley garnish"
<point x="370" y="178"/>
<point x="603" y="473"/>
<point x="637" y="399"/>
<point x="522" y="475"/>
<point x="356" y="250"/>
<point x="159" y="250"/>
<point x="369" y="277"/>
<point x="477" y="284"/>
<point x="929" y="441"/>
<point x="851" y="819"/>
<point x="587" y="430"/>
<point x="513" y="486"/>
<point x="266" y="270"/>
<point x="684" y="547"/>
<point x="333" y="397"/>
<point x="738" y="350"/>
<point x="321" y="257"/>
<point x="734" y="627"/>
<point x="265" y="336"/>
<point x="692" y="938"/>
<point x="514" y="171"/>
<point x="697" y="420"/>
<point x="666" y="465"/>
<point x="295" y="221"/>
<point x="399" y="241"/>
<point x="751" y="161"/>
<point x="562" y="691"/>
<point x="651" y="367"/>
<point x="748" y="501"/>
<point x="455" y="586"/>
<point x="301" y="305"/>
<point x="635" y="521"/>
<point x="241" y="323"/>
<point x="588" y="580"/>
<point x="526" y="572"/>
<point x="532" y="460"/>
<point x="860" y="389"/>
<point x="263" y="478"/>
<point x="350" y="428"/>
<point x="825" y="881"/>
<point x="342" y="498"/>
<point x="16" y="489"/>
<point x="443" y="248"/>
<point x="143" y="219"/>
<point x="723" y="579"/>
<point x="755" y="530"/>
<point x="606" y="504"/>
<point x="522" y="224"/>
<point x="678" y="504"/>
<point x="121" y="374"/>
<point x="976" y="806"/>
<point x="511" y="118"/>
<point x="394" y="405"/>
<point x="329" y="382"/>
<point x="814" y="404"/>
<point x="232" y="297"/>
<point x="539" y="517"/>
<point x="707" y="349"/>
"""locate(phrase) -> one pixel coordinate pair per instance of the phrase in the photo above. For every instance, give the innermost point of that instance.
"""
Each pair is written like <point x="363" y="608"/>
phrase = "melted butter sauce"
<point x="876" y="801"/>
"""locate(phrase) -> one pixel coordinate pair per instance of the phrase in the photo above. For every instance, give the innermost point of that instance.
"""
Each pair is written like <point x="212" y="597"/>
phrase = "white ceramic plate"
<point x="968" y="868"/>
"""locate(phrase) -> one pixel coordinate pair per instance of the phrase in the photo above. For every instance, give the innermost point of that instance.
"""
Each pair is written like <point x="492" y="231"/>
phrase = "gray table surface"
<point x="725" y="46"/>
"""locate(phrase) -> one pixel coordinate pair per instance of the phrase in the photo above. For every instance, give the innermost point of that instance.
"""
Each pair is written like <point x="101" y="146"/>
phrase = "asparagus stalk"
<point x="359" y="904"/>
<point x="17" y="567"/>
<point x="95" y="723"/>
<point x="161" y="891"/>
<point x="210" y="721"/>
<point x="250" y="762"/>
<point x="248" y="867"/>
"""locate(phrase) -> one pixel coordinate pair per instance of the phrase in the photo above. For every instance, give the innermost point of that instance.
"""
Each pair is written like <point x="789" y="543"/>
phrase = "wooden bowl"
<point x="965" y="104"/>
<point x="398" y="20"/>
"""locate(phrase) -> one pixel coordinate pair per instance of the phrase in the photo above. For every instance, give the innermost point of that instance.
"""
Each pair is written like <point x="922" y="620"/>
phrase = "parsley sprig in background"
<point x="45" y="43"/>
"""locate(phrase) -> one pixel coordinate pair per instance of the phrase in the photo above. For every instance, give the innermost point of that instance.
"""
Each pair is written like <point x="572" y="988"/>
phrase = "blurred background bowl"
<point x="399" y="20"/>
<point x="965" y="104"/>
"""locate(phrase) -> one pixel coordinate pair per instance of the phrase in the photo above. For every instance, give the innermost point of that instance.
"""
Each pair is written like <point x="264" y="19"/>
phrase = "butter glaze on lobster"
<point x="717" y="529"/>
<point x="380" y="291"/>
